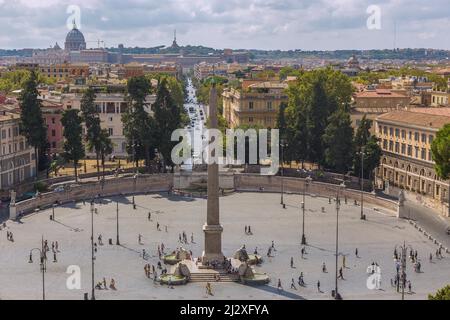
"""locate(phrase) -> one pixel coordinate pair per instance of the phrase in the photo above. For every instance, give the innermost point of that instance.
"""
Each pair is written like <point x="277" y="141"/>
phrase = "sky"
<point x="236" y="24"/>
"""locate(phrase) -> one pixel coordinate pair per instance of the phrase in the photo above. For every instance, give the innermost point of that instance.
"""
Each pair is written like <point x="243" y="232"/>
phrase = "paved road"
<point x="430" y="220"/>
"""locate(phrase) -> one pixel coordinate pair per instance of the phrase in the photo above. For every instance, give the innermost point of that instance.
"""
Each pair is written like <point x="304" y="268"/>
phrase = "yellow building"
<point x="405" y="139"/>
<point x="258" y="104"/>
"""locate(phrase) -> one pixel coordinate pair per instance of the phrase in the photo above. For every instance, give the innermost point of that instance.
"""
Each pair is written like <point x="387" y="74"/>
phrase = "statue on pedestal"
<point x="12" y="194"/>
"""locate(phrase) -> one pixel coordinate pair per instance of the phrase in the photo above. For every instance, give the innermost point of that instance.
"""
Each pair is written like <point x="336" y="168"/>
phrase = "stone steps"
<point x="209" y="277"/>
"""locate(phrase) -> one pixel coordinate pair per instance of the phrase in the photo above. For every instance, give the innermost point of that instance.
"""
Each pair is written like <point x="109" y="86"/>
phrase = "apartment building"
<point x="110" y="106"/>
<point x="255" y="104"/>
<point x="17" y="158"/>
<point x="405" y="139"/>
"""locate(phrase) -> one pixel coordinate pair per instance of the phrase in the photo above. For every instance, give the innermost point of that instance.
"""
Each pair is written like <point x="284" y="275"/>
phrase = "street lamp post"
<point x="337" y="296"/>
<point x="43" y="263"/>
<point x="283" y="144"/>
<point x="117" y="214"/>
<point x="402" y="276"/>
<point x="362" y="154"/>
<point x="306" y="184"/>
<point x="92" y="249"/>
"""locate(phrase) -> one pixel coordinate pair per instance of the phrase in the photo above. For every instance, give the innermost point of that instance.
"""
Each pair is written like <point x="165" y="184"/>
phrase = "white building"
<point x="111" y="106"/>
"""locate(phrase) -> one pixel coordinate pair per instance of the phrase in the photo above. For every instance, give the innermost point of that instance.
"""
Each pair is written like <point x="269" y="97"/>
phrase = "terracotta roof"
<point x="380" y="93"/>
<point x="435" y="111"/>
<point x="416" y="118"/>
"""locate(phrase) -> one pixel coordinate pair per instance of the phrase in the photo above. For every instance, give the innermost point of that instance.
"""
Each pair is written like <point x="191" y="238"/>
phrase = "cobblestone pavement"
<point x="374" y="238"/>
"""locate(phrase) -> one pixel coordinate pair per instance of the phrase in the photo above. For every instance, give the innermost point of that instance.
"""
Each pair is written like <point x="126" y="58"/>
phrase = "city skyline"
<point x="288" y="25"/>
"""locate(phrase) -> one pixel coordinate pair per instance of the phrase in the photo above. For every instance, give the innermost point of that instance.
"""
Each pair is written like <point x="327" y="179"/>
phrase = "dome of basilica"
<point x="75" y="40"/>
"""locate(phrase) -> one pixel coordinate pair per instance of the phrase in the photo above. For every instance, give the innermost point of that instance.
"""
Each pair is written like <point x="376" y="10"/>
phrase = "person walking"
<point x="343" y="261"/>
<point x="246" y="229"/>
<point x="149" y="217"/>
<point x="356" y="252"/>
<point x="293" y="284"/>
<point x="318" y="286"/>
<point x="279" y="287"/>
<point x="341" y="275"/>
<point x="292" y="262"/>
<point x="324" y="267"/>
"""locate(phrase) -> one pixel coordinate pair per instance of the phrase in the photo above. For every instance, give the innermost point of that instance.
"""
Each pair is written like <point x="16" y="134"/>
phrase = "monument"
<point x="212" y="228"/>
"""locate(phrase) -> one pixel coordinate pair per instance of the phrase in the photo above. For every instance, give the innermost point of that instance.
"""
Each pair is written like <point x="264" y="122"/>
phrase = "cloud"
<point x="267" y="24"/>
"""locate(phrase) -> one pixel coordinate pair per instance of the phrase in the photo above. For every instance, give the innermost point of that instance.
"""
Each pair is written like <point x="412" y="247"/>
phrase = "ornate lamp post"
<point x="402" y="276"/>
<point x="337" y="296"/>
<point x="92" y="249"/>
<point x="43" y="263"/>
<point x="283" y="144"/>
<point x="362" y="154"/>
<point x="307" y="180"/>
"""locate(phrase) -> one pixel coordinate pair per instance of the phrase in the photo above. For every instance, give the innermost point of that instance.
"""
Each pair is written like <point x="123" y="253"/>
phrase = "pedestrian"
<point x="143" y="253"/>
<point x="104" y="283"/>
<point x="246" y="229"/>
<point x="56" y="246"/>
<point x="273" y="246"/>
<point x="324" y="267"/>
<point x="343" y="261"/>
<point x="249" y="230"/>
<point x="179" y="237"/>
<point x="300" y="279"/>
<point x="139" y="238"/>
<point x="112" y="285"/>
<point x="269" y="251"/>
<point x="356" y="252"/>
<point x="303" y="251"/>
<point x="149" y="216"/>
<point x="54" y="257"/>
<point x="100" y="240"/>
<point x="292" y="262"/>
<point x="192" y="237"/>
<point x="157" y="226"/>
<point x="341" y="276"/>
<point x="409" y="286"/>
<point x="293" y="284"/>
<point x="256" y="251"/>
<point x="279" y="287"/>
<point x="146" y="270"/>
<point x="431" y="257"/>
<point x="53" y="246"/>
<point x="95" y="247"/>
<point x="318" y="285"/>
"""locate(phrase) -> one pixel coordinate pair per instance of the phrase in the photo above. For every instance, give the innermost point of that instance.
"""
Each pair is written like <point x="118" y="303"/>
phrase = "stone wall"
<point x="185" y="179"/>
<point x="87" y="191"/>
<point x="163" y="183"/>
<point x="248" y="182"/>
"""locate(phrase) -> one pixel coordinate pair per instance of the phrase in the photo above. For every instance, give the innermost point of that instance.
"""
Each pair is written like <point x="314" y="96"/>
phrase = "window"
<point x="110" y="131"/>
<point x="430" y="139"/>
<point x="53" y="133"/>
<point x="110" y="107"/>
<point x="403" y="134"/>
<point x="424" y="154"/>
<point x="391" y="145"/>
<point x="397" y="147"/>
<point x="430" y="156"/>
<point x="416" y="153"/>
<point x="53" y="120"/>
<point x="424" y="138"/>
<point x="385" y="144"/>
<point x="269" y="105"/>
<point x="250" y="105"/>
<point x="403" y="148"/>
<point x="3" y="134"/>
<point x="416" y="136"/>
<point x="250" y="119"/>
<point x="391" y="131"/>
<point x="385" y="130"/>
<point x="410" y="135"/>
<point x="409" y="150"/>
<point x="397" y="133"/>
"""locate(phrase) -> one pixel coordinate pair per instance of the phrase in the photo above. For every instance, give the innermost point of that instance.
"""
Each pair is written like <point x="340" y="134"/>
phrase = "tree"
<point x="32" y="123"/>
<point x="338" y="141"/>
<point x="440" y="151"/>
<point x="167" y="119"/>
<point x="106" y="147"/>
<point x="281" y="120"/>
<point x="137" y="122"/>
<point x="73" y="144"/>
<point x="441" y="294"/>
<point x="366" y="142"/>
<point x="91" y="119"/>
<point x="316" y="121"/>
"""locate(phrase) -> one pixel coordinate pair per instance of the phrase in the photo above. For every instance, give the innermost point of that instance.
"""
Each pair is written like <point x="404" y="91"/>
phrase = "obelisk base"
<point x="213" y="245"/>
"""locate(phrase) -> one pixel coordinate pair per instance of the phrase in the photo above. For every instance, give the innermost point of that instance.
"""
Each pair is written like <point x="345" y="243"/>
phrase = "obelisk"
<point x="212" y="228"/>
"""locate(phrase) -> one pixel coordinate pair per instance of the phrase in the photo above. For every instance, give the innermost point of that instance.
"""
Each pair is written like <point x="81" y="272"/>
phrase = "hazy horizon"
<point x="320" y="25"/>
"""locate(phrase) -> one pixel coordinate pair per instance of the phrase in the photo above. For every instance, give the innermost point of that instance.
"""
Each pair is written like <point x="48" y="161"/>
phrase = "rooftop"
<point x="423" y="118"/>
<point x="380" y="93"/>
